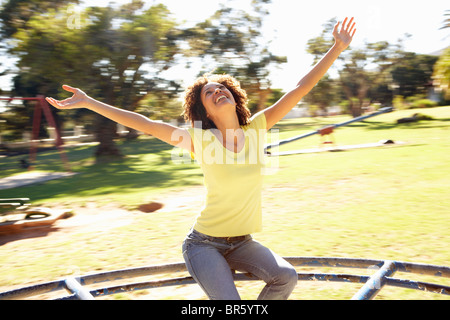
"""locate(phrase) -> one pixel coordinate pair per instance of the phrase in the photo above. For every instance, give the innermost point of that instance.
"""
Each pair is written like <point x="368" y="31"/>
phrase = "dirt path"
<point x="94" y="218"/>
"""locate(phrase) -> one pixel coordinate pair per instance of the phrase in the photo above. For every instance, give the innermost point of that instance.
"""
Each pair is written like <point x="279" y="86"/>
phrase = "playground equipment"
<point x="42" y="107"/>
<point x="7" y="205"/>
<point x="22" y="217"/>
<point x="326" y="131"/>
<point x="371" y="285"/>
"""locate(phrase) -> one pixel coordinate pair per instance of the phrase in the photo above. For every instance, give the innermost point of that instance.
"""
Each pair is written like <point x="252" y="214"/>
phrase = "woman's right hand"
<point x="79" y="99"/>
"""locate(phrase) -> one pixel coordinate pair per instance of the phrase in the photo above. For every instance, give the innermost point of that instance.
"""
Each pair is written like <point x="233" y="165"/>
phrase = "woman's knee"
<point x="288" y="275"/>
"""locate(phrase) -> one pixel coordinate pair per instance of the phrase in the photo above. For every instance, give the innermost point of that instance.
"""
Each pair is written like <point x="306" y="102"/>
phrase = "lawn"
<point x="375" y="203"/>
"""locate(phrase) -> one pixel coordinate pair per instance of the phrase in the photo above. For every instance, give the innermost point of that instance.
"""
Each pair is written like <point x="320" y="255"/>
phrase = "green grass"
<point x="147" y="168"/>
<point x="376" y="203"/>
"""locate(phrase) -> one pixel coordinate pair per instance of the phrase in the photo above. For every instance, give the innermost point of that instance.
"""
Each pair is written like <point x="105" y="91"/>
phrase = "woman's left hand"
<point x="344" y="36"/>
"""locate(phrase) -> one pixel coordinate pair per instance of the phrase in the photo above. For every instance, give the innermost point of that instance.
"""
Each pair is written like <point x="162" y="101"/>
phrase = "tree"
<point x="143" y="42"/>
<point x="114" y="54"/>
<point x="353" y="79"/>
<point x="231" y="42"/>
<point x="356" y="80"/>
<point x="412" y="74"/>
<point x="446" y="23"/>
<point x="324" y="94"/>
<point x="15" y="14"/>
<point x="374" y="73"/>
<point x="441" y="73"/>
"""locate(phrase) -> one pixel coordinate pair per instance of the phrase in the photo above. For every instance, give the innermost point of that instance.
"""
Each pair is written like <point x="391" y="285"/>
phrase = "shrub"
<point x="399" y="103"/>
<point x="424" y="103"/>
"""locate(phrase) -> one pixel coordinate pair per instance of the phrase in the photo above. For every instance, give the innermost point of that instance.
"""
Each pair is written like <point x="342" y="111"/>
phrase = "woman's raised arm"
<point x="342" y="38"/>
<point x="172" y="135"/>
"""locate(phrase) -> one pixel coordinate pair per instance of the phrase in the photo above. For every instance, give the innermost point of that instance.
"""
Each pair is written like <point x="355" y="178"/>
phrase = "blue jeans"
<point x="210" y="262"/>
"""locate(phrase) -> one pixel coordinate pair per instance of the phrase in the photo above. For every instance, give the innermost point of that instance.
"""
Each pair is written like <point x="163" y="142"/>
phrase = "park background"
<point x="389" y="203"/>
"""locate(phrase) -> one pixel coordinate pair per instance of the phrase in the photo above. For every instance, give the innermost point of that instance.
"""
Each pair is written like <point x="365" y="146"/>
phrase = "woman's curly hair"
<point x="194" y="111"/>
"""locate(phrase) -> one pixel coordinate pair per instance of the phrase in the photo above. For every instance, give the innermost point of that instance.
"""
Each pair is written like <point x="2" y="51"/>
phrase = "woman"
<point x="226" y="142"/>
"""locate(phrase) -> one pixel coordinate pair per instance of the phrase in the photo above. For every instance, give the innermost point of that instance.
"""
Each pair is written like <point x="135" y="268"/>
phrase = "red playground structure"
<point x="42" y="107"/>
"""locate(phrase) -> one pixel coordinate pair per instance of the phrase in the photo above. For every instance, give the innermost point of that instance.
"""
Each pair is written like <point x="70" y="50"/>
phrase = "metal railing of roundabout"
<point x="90" y="286"/>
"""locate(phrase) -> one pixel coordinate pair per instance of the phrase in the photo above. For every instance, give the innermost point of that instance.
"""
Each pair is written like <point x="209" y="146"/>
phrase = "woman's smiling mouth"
<point x="220" y="98"/>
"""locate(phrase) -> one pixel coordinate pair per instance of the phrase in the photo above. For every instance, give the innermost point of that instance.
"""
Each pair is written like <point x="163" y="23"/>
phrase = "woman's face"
<point x="216" y="99"/>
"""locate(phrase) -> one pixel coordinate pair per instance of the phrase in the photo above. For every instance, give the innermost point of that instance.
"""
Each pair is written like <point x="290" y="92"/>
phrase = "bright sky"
<point x="292" y="23"/>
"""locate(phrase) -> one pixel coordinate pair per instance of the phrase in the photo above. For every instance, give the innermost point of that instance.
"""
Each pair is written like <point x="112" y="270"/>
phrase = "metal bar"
<point x="108" y="276"/>
<point x="375" y="282"/>
<point x="43" y="107"/>
<point x="439" y="271"/>
<point x="22" y="201"/>
<point x="237" y="277"/>
<point x="49" y="117"/>
<point x="35" y="134"/>
<point x="32" y="290"/>
<point x="349" y="278"/>
<point x="286" y="141"/>
<point x="360" y="118"/>
<point x="418" y="285"/>
<point x="333" y="262"/>
<point x="143" y="285"/>
<point x="58" y="140"/>
<point x="73" y="286"/>
<point x="10" y="99"/>
<point x="279" y="143"/>
<point x="420" y="268"/>
<point x="133" y="273"/>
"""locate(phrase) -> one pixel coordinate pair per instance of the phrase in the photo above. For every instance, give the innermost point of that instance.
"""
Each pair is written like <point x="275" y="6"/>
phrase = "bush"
<point x="413" y="102"/>
<point x="423" y="103"/>
<point x="399" y="103"/>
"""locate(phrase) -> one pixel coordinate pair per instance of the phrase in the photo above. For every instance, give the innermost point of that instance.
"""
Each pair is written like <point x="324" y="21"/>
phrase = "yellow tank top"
<point x="233" y="181"/>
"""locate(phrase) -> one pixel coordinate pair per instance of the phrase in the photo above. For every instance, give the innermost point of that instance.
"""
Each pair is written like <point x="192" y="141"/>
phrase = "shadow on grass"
<point x="422" y="124"/>
<point x="147" y="164"/>
<point x="309" y="124"/>
<point x="27" y="234"/>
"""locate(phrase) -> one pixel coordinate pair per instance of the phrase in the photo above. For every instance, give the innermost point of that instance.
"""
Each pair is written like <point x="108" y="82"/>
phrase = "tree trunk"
<point x="132" y="134"/>
<point x="355" y="108"/>
<point x="105" y="134"/>
<point x="262" y="98"/>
